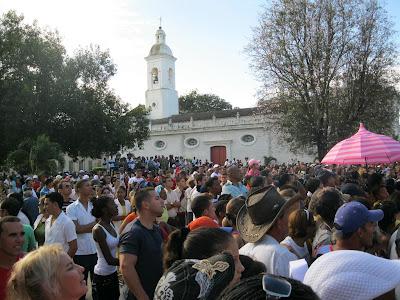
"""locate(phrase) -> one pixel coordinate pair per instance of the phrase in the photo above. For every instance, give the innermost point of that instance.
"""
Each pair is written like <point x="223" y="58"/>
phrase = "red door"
<point x="218" y="154"/>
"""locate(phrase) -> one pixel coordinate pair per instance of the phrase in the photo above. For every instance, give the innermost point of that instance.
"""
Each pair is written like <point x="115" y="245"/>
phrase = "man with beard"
<point x="140" y="248"/>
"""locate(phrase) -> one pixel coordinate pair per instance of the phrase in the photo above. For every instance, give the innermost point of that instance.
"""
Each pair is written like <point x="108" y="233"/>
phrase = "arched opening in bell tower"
<point x="154" y="76"/>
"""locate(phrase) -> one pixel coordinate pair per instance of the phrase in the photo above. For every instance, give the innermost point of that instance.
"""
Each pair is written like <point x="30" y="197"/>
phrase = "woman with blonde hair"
<point x="45" y="274"/>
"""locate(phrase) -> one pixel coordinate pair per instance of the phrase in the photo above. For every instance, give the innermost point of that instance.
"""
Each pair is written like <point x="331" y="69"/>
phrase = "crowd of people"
<point x="172" y="228"/>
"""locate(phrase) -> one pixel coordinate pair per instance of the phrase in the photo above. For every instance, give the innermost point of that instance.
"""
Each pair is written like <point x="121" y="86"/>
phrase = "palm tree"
<point x="40" y="155"/>
<point x="45" y="156"/>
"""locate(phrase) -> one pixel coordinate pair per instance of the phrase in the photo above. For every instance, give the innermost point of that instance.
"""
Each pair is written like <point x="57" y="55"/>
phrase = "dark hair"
<point x="364" y="202"/>
<point x="8" y="219"/>
<point x="390" y="210"/>
<point x="390" y="185"/>
<point x="11" y="205"/>
<point x="235" y="205"/>
<point x="55" y="197"/>
<point x="220" y="207"/>
<point x="328" y="201"/>
<point x="48" y="181"/>
<point x="284" y="179"/>
<point x="99" y="204"/>
<point x="374" y="183"/>
<point x="395" y="197"/>
<point x="256" y="181"/>
<point x="251" y="288"/>
<point x="18" y="197"/>
<point x="200" y="204"/>
<point x="251" y="267"/>
<point x="140" y="196"/>
<point x="195" y="244"/>
<point x="225" y="197"/>
<point x="209" y="183"/>
<point x="312" y="185"/>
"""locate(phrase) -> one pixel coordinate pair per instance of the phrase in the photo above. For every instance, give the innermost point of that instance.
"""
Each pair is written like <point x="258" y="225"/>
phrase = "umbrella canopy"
<point x="364" y="147"/>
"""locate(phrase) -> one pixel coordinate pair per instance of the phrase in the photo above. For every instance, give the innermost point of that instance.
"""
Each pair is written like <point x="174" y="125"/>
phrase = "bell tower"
<point x="161" y="96"/>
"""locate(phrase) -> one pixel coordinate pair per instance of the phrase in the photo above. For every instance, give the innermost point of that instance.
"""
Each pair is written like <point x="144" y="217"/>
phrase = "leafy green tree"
<point x="68" y="98"/>
<point x="195" y="102"/>
<point x="40" y="155"/>
<point x="325" y="66"/>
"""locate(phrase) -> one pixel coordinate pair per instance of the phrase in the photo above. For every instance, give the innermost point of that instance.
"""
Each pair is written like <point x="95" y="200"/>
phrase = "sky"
<point x="207" y="37"/>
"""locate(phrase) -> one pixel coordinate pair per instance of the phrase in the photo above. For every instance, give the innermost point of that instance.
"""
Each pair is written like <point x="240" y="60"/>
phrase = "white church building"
<point x="214" y="136"/>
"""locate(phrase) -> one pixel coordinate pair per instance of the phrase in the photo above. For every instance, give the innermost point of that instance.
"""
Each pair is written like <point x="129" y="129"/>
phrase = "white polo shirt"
<point x="77" y="212"/>
<point x="62" y="231"/>
<point x="172" y="198"/>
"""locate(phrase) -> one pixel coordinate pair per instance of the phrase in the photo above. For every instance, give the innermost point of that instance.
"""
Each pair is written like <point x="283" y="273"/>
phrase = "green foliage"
<point x="195" y="102"/>
<point x="37" y="156"/>
<point x="325" y="66"/>
<point x="68" y="98"/>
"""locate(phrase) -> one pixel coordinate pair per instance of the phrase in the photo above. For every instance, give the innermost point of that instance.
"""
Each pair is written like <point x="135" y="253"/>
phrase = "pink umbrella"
<point x="364" y="147"/>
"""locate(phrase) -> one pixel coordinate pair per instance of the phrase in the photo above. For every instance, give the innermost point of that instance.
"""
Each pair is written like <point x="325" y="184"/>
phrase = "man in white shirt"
<point x="172" y="202"/>
<point x="58" y="227"/>
<point x="263" y="224"/>
<point x="137" y="179"/>
<point x="180" y="191"/>
<point x="215" y="172"/>
<point x="191" y="184"/>
<point x="80" y="213"/>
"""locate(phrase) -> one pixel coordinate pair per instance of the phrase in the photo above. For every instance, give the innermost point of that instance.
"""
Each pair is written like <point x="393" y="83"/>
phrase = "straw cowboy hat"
<point x="261" y="210"/>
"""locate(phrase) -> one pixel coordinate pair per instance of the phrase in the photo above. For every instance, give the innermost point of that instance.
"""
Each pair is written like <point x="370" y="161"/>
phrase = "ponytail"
<point x="200" y="243"/>
<point x="174" y="246"/>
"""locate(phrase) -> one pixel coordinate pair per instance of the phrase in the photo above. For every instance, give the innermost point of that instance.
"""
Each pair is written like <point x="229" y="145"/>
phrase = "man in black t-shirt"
<point x="141" y="247"/>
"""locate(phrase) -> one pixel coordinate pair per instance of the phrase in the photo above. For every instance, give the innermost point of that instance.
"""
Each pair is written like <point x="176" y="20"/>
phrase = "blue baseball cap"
<point x="351" y="216"/>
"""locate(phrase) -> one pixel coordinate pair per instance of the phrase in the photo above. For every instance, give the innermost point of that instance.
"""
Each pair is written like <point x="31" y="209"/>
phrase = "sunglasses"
<point x="276" y="287"/>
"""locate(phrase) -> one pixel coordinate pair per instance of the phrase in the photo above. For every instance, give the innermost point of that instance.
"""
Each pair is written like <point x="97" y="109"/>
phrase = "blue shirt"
<point x="44" y="191"/>
<point x="234" y="190"/>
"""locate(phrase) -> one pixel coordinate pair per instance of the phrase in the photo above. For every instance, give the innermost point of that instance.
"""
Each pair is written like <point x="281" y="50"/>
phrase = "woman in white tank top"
<point x="106" y="237"/>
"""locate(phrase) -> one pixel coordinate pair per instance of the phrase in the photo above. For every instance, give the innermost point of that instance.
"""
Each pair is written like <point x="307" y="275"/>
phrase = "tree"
<point x="325" y="66"/>
<point x="68" y="98"/>
<point x="195" y="102"/>
<point x="40" y="155"/>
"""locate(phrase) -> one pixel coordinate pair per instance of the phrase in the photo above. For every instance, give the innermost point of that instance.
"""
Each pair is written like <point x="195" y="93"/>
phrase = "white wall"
<point x="219" y="132"/>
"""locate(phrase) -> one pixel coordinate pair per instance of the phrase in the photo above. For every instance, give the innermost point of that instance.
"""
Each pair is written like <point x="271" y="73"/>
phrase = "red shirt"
<point x="4" y="276"/>
<point x="203" y="221"/>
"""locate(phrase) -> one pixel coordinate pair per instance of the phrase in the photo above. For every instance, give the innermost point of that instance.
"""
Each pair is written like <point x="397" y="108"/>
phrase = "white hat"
<point x="96" y="177"/>
<point x="216" y="166"/>
<point x="35" y="177"/>
<point x="59" y="177"/>
<point x="85" y="177"/>
<point x="355" y="275"/>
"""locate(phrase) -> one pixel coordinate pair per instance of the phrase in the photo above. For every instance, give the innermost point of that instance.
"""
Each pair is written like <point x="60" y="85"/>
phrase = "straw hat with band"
<point x="261" y="210"/>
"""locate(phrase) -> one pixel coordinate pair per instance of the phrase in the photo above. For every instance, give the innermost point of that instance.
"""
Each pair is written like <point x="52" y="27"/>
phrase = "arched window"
<point x="154" y="75"/>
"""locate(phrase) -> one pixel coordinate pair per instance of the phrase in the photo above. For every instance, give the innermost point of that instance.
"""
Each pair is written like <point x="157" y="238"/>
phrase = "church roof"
<point x="159" y="49"/>
<point x="207" y="115"/>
